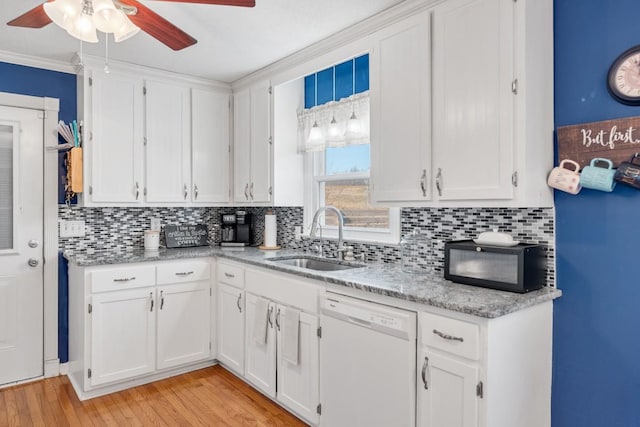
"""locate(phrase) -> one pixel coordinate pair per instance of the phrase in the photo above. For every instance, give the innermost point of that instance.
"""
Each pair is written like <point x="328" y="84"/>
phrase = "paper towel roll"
<point x="270" y="231"/>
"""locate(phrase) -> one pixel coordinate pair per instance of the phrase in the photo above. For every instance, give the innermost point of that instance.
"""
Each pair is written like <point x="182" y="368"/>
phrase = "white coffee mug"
<point x="564" y="179"/>
<point x="151" y="240"/>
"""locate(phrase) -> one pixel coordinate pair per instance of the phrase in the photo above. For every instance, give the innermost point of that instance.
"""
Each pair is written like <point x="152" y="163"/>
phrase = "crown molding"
<point x="147" y="72"/>
<point x="36" y="62"/>
<point x="333" y="49"/>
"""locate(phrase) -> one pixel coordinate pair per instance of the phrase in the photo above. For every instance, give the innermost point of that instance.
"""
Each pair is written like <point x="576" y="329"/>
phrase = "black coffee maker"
<point x="236" y="229"/>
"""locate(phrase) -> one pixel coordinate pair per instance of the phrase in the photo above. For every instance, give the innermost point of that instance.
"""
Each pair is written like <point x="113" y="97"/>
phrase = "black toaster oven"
<point x="520" y="268"/>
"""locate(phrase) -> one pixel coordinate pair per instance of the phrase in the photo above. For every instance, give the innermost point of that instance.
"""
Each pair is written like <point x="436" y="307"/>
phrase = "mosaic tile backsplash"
<point x="122" y="228"/>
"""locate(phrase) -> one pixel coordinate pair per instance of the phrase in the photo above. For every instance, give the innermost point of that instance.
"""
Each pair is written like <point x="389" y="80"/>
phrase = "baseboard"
<point x="51" y="368"/>
<point x="108" y="389"/>
<point x="64" y="368"/>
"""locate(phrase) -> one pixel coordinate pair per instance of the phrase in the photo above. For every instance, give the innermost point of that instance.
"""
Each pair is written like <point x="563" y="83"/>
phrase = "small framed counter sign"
<point x="616" y="140"/>
<point x="186" y="236"/>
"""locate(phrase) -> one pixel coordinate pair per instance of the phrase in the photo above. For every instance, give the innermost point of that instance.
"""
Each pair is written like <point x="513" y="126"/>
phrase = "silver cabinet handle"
<point x="229" y="275"/>
<point x="125" y="279"/>
<point x="33" y="262"/>
<point x="195" y="192"/>
<point x="238" y="302"/>
<point x="137" y="190"/>
<point x="151" y="298"/>
<point x="447" y="337"/>
<point x="246" y="190"/>
<point x="269" y="317"/>
<point x="423" y="183"/>
<point x="251" y="191"/>
<point x="186" y="192"/>
<point x="424" y="373"/>
<point x="278" y="319"/>
<point x="439" y="182"/>
<point x="184" y="273"/>
<point x="161" y="299"/>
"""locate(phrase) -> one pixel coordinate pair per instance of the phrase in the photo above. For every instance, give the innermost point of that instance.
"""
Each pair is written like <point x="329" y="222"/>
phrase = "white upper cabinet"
<point x="474" y="104"/>
<point x="252" y="144"/>
<point x="168" y="142"/>
<point x="466" y="118"/>
<point x="210" y="146"/>
<point x="114" y="142"/>
<point x="152" y="138"/>
<point x="400" y="112"/>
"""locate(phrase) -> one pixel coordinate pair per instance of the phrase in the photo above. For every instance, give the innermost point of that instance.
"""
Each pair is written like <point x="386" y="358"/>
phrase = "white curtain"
<point x="339" y="133"/>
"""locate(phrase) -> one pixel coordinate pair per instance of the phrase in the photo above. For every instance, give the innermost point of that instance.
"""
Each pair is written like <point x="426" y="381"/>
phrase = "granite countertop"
<point x="382" y="279"/>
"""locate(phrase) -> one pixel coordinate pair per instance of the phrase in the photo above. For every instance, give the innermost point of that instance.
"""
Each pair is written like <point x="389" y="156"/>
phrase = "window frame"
<point x="314" y="176"/>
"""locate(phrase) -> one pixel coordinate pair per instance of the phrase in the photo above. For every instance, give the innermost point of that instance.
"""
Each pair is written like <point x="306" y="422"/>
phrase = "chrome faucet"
<point x="314" y="225"/>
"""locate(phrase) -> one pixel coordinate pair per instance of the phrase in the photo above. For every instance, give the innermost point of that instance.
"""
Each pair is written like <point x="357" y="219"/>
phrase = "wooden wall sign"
<point x="185" y="236"/>
<point x="617" y="140"/>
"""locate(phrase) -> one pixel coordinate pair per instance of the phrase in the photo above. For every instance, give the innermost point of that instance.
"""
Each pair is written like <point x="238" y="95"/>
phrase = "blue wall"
<point x="596" y="373"/>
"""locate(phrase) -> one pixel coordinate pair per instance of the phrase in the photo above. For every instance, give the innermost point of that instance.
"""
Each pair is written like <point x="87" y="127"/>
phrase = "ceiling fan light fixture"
<point x="126" y="31"/>
<point x="83" y="28"/>
<point x="62" y="12"/>
<point x="107" y="18"/>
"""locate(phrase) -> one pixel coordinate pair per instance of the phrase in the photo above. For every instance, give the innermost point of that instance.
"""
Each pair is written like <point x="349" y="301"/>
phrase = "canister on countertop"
<point x="417" y="252"/>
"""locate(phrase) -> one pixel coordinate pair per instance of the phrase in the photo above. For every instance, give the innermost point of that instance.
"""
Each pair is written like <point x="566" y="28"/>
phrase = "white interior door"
<point x="21" y="235"/>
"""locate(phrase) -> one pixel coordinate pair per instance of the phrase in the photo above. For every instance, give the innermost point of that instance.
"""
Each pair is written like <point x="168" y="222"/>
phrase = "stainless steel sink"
<point x="316" y="264"/>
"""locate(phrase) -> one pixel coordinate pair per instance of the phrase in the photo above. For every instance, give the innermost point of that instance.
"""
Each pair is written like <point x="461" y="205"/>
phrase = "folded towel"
<point x="290" y="333"/>
<point x="260" y="321"/>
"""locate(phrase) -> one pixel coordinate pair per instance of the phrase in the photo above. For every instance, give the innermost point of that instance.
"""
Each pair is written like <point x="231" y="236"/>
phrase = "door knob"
<point x="33" y="243"/>
<point x="33" y="262"/>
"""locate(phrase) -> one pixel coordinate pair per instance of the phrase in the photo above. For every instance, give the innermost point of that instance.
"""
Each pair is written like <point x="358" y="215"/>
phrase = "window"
<point x="338" y="171"/>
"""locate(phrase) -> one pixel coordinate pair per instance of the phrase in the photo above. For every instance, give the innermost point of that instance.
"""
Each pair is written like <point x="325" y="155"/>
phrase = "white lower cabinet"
<point x="132" y="324"/>
<point x="184" y="334"/>
<point x="294" y="385"/>
<point x="477" y="372"/>
<point x="123" y="332"/>
<point x="231" y="319"/>
<point x="447" y="391"/>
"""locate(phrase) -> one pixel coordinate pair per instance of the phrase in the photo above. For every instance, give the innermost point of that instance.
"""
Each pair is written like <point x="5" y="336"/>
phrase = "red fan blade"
<point x="158" y="27"/>
<point x="35" y="18"/>
<point x="243" y="3"/>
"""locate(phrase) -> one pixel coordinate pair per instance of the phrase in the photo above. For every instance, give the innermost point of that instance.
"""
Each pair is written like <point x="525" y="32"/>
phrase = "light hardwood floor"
<point x="208" y="397"/>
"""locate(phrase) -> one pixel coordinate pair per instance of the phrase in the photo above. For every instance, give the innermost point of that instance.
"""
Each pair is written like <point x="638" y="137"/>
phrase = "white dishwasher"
<point x="367" y="364"/>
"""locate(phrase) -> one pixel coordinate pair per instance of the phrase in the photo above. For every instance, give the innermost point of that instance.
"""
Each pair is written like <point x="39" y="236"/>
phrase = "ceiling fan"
<point x="81" y="18"/>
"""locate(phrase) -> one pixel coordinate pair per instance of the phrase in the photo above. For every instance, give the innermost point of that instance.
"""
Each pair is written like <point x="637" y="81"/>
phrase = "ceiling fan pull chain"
<point x="107" y="70"/>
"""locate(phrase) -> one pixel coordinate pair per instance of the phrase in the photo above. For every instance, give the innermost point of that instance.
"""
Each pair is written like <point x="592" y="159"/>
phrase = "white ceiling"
<point x="232" y="41"/>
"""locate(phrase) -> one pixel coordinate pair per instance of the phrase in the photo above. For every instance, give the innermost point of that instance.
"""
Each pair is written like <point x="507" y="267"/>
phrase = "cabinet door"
<point x="210" y="147"/>
<point x="260" y="183"/>
<point x="231" y="327"/>
<point x="183" y="324"/>
<point x="473" y="102"/>
<point x="241" y="145"/>
<point x="400" y="112"/>
<point x="298" y="385"/>
<point x="449" y="396"/>
<point x="168" y="140"/>
<point x="261" y="357"/>
<point x="114" y="145"/>
<point x="123" y="335"/>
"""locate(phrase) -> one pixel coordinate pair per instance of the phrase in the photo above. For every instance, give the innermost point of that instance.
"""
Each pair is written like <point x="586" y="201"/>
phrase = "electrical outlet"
<point x="297" y="232"/>
<point x="155" y="224"/>
<point x="72" y="228"/>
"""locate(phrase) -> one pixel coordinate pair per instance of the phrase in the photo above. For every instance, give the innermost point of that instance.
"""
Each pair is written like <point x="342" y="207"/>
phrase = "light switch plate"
<point x="297" y="232"/>
<point x="155" y="224"/>
<point x="72" y="228"/>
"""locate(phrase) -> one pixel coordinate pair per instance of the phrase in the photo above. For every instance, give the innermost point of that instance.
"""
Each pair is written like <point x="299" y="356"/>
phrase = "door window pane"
<point x="6" y="187"/>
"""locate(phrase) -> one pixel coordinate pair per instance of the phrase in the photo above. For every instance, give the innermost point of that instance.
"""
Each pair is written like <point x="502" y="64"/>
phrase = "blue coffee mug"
<point x="598" y="178"/>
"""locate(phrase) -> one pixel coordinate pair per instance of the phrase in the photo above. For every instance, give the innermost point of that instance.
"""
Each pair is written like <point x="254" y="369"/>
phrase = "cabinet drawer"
<point x="450" y="335"/>
<point x="183" y="271"/>
<point x="120" y="278"/>
<point x="231" y="275"/>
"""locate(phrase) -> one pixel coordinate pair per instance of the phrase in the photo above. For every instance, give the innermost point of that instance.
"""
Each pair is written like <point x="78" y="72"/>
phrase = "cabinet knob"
<point x="439" y="182"/>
